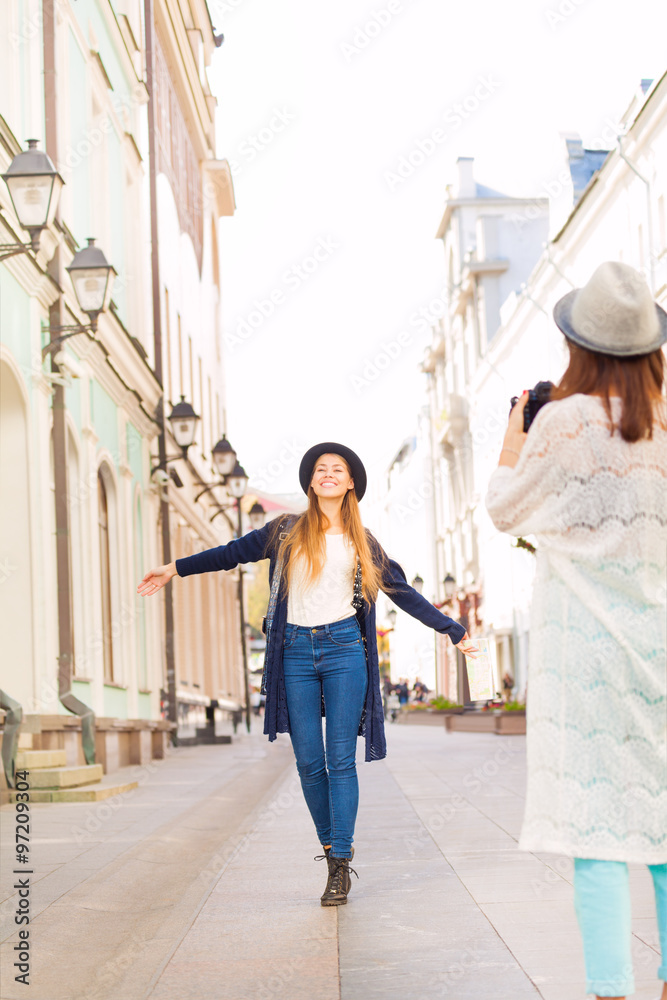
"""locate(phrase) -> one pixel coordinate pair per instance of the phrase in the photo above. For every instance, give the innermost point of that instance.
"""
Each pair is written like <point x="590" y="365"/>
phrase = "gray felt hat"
<point x="613" y="314"/>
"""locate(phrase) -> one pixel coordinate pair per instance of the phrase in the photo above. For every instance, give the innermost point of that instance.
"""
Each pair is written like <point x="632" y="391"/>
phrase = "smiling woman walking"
<point x="325" y="573"/>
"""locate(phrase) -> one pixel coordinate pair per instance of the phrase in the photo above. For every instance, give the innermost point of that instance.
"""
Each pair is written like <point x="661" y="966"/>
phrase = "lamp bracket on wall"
<point x="12" y="249"/>
<point x="73" y="330"/>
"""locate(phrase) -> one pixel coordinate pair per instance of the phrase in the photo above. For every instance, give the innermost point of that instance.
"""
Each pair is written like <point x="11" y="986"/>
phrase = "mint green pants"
<point x="602" y="903"/>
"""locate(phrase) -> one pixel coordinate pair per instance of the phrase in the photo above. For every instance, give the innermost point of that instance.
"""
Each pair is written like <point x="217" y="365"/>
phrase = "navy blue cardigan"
<point x="262" y="544"/>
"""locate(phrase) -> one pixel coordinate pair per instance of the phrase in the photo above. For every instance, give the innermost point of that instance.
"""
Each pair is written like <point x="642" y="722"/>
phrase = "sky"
<point x="330" y="265"/>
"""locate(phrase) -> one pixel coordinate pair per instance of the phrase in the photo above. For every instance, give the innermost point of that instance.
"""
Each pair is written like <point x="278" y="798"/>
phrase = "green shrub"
<point x="514" y="706"/>
<point x="441" y="702"/>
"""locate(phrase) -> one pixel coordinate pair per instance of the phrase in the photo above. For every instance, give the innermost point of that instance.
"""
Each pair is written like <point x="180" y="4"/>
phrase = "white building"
<point x="407" y="529"/>
<point x="74" y="77"/>
<point x="487" y="256"/>
<point x="620" y="214"/>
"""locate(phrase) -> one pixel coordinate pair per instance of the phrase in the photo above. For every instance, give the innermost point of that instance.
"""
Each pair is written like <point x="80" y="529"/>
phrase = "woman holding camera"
<point x="589" y="480"/>
<point x="325" y="572"/>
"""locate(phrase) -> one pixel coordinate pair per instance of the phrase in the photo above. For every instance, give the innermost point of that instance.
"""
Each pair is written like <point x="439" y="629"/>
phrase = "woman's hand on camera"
<point x="515" y="436"/>
<point x="515" y="423"/>
<point x="156" y="579"/>
<point x="468" y="647"/>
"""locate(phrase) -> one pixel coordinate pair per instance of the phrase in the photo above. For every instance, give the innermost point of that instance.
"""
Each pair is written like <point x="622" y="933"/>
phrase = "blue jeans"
<point x="327" y="660"/>
<point x="602" y="902"/>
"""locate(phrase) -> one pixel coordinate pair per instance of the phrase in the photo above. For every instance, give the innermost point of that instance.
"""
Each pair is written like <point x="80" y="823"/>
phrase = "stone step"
<point x="29" y="759"/>
<point x="65" y="777"/>
<point x="104" y="789"/>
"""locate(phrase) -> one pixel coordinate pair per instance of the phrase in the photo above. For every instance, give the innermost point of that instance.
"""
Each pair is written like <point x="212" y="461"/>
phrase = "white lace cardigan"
<point x="597" y="674"/>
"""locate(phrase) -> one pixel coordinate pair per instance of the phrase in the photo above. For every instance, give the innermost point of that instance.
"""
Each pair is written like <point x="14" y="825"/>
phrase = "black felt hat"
<point x="357" y="469"/>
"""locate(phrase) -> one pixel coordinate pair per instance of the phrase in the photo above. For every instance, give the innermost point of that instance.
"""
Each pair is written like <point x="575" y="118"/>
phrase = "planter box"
<point x="504" y="723"/>
<point x="427" y="716"/>
<point x="508" y="723"/>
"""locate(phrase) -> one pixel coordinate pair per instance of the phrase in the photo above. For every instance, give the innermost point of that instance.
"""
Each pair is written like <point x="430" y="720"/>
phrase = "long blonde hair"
<point x="306" y="538"/>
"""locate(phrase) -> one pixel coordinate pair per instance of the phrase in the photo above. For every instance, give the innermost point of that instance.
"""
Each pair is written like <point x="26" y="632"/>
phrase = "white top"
<point x="596" y="706"/>
<point x="330" y="599"/>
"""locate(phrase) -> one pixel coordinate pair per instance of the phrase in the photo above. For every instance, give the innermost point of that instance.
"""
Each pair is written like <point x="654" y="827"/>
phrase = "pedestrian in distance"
<point x="255" y="700"/>
<point x="325" y="572"/>
<point x="589" y="480"/>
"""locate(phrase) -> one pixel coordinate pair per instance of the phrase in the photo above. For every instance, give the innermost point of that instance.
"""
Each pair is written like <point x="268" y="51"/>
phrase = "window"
<point x="140" y="604"/>
<point x="180" y="356"/>
<point x="166" y="376"/>
<point x="76" y="492"/>
<point x="192" y="373"/>
<point x="211" y="418"/>
<point x="105" y="576"/>
<point x="202" y="422"/>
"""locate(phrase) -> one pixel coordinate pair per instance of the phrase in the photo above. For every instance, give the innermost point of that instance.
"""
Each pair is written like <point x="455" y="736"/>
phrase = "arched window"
<point x="18" y="668"/>
<point x="75" y="497"/>
<point x="140" y="604"/>
<point x="105" y="575"/>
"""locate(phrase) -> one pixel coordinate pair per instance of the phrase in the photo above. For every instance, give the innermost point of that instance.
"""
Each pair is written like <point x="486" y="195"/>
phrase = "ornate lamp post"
<point x="233" y="477"/>
<point x="256" y="515"/>
<point x="224" y="457"/>
<point x="92" y="280"/>
<point x="34" y="187"/>
<point x="450" y="587"/>
<point x="183" y="420"/>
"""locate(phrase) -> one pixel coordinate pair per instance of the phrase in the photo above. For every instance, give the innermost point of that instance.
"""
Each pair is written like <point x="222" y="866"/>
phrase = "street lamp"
<point x="34" y="187"/>
<point x="391" y="615"/>
<point x="92" y="278"/>
<point x="183" y="420"/>
<point x="418" y="584"/>
<point x="237" y="481"/>
<point x="224" y="457"/>
<point x="450" y="586"/>
<point x="236" y="485"/>
<point x="256" y="516"/>
<point x="233" y="477"/>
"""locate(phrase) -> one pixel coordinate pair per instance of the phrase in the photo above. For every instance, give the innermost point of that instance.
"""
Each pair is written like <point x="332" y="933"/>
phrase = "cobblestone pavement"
<point x="201" y="884"/>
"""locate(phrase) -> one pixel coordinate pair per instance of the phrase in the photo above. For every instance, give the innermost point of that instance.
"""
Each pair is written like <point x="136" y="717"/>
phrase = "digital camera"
<point x="537" y="397"/>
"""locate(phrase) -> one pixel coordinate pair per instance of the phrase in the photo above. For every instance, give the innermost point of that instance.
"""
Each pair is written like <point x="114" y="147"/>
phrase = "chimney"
<point x="466" y="182"/>
<point x="583" y="163"/>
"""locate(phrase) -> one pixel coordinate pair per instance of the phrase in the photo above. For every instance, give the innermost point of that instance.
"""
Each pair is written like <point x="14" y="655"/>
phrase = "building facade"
<point x="618" y="213"/>
<point x="487" y="256"/>
<point x="74" y="77"/>
<point x="407" y="527"/>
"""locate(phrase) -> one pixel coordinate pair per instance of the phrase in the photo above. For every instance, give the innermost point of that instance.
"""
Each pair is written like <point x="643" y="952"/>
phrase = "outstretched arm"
<point x="249" y="548"/>
<point x="397" y="588"/>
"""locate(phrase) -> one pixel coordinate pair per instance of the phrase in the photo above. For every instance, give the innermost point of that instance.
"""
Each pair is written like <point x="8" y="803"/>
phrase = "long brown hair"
<point x="306" y="538"/>
<point x="638" y="380"/>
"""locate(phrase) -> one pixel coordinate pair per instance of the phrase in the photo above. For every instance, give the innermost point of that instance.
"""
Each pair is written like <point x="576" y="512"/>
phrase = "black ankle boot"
<point x="339" y="882"/>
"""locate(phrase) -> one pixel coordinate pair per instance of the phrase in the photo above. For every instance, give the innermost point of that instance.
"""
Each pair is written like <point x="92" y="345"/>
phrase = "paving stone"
<point x="201" y="884"/>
